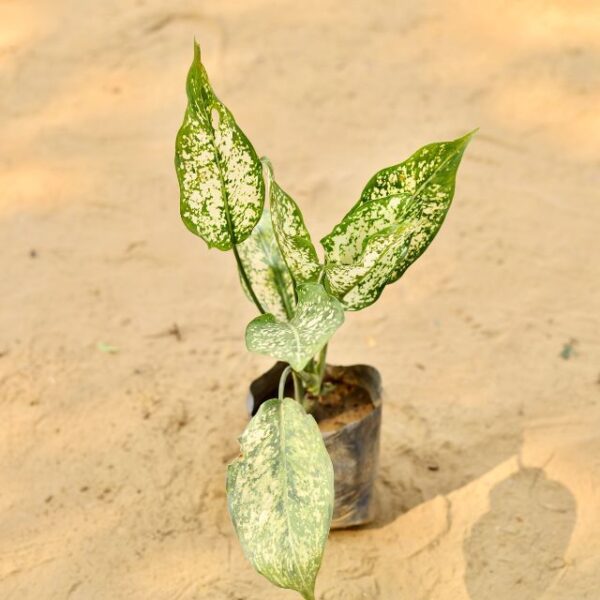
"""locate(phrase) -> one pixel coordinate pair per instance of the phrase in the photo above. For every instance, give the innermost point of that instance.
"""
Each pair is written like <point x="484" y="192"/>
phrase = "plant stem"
<point x="246" y="280"/>
<point x="282" y="381"/>
<point x="298" y="388"/>
<point x="321" y="274"/>
<point x="280" y="285"/>
<point x="321" y="364"/>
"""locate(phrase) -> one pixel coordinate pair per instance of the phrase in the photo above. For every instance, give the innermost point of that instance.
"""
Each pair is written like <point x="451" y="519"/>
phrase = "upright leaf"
<point x="220" y="176"/>
<point x="363" y="250"/>
<point x="428" y="177"/>
<point x="266" y="270"/>
<point x="318" y="315"/>
<point x="280" y="495"/>
<point x="292" y="236"/>
<point x="349" y="238"/>
<point x="360" y="284"/>
<point x="400" y="211"/>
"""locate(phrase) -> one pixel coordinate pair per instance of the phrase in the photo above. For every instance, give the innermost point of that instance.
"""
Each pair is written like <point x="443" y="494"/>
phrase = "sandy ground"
<point x="115" y="427"/>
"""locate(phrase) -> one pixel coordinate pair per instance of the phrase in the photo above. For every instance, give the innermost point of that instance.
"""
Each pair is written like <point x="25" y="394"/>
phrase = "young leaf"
<point x="266" y="270"/>
<point x="280" y="495"/>
<point x="292" y="236"/>
<point x="414" y="195"/>
<point x="220" y="176"/>
<point x="318" y="315"/>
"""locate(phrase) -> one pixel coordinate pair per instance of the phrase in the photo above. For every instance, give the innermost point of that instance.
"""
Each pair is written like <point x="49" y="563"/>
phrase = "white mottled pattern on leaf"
<point x="280" y="495"/>
<point x="349" y="238"/>
<point x="318" y="315"/>
<point x="428" y="176"/>
<point x="220" y="176"/>
<point x="360" y="284"/>
<point x="266" y="270"/>
<point x="293" y="237"/>
<point x="415" y="194"/>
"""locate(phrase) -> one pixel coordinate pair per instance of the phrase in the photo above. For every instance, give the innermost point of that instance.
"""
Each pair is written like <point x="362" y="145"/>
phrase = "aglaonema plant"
<point x="280" y="489"/>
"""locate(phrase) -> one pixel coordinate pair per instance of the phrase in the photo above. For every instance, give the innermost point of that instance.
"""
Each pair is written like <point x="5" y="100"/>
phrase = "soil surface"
<point x="123" y="370"/>
<point x="341" y="404"/>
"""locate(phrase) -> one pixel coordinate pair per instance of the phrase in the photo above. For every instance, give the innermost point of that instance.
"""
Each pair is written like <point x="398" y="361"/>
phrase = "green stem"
<point x="315" y="372"/>
<point x="298" y="388"/>
<point x="282" y="381"/>
<point x="280" y="285"/>
<point x="246" y="280"/>
<point x="321" y="275"/>
<point x="321" y="365"/>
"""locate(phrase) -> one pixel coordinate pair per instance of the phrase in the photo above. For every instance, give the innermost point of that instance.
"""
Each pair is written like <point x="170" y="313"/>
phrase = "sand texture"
<point x="123" y="370"/>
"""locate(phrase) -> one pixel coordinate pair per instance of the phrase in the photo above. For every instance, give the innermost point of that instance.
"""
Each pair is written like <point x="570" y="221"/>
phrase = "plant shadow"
<point x="418" y="470"/>
<point x="516" y="549"/>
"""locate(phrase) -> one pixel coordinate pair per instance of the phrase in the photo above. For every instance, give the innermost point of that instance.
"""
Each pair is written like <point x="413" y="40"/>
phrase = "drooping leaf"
<point x="280" y="495"/>
<point x="411" y="201"/>
<point x="266" y="270"/>
<point x="220" y="176"/>
<point x="318" y="315"/>
<point x="292" y="236"/>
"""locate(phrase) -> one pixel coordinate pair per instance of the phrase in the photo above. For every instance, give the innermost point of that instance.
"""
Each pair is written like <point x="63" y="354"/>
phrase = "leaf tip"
<point x="469" y="136"/>
<point x="196" y="50"/>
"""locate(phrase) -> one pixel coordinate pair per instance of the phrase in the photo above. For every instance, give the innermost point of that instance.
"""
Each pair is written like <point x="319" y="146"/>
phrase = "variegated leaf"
<point x="266" y="270"/>
<point x="363" y="250"/>
<point x="348" y="240"/>
<point x="220" y="176"/>
<point x="429" y="177"/>
<point x="292" y="236"/>
<point x="318" y="315"/>
<point x="360" y="284"/>
<point x="280" y="495"/>
<point x="412" y="199"/>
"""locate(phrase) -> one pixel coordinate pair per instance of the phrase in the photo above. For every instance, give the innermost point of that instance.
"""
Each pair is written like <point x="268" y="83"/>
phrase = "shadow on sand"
<point x="516" y="549"/>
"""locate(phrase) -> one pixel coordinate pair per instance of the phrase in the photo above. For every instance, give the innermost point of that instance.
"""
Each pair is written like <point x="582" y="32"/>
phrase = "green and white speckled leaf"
<point x="364" y="249"/>
<point x="429" y="177"/>
<point x="280" y="495"/>
<point x="348" y="240"/>
<point x="318" y="315"/>
<point x="266" y="270"/>
<point x="293" y="237"/>
<point x="400" y="212"/>
<point x="360" y="284"/>
<point x="220" y="176"/>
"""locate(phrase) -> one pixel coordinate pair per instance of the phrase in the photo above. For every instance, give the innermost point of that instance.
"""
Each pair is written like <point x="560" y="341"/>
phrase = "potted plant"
<point x="281" y="488"/>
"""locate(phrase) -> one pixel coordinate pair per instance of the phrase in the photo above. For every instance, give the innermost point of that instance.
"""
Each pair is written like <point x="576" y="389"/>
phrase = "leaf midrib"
<point x="296" y="333"/>
<point x="282" y="449"/>
<point x="439" y="168"/>
<point x="375" y="264"/>
<point x="411" y="196"/>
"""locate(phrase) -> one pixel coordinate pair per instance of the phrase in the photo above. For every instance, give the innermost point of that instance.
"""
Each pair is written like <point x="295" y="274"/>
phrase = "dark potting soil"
<point x="341" y="404"/>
